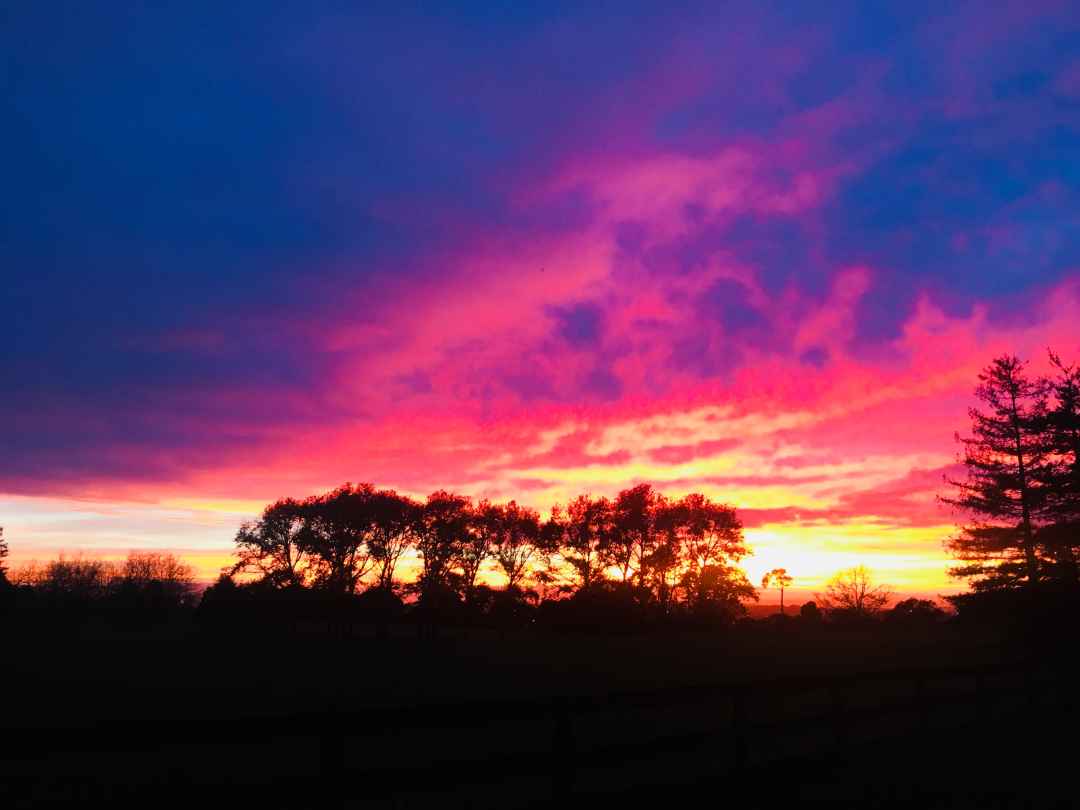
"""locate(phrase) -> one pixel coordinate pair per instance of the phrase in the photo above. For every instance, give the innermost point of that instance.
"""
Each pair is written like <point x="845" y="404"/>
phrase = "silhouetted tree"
<point x="778" y="578"/>
<point x="915" y="612"/>
<point x="662" y="563"/>
<point x="810" y="612"/>
<point x="633" y="535"/>
<point x="1060" y="537"/>
<point x="713" y="532"/>
<point x="719" y="592"/>
<point x="69" y="582"/>
<point x="586" y="530"/>
<point x="394" y="523"/>
<point x="516" y="542"/>
<point x="477" y="544"/>
<point x="853" y="593"/>
<point x="157" y="579"/>
<point x="712" y="535"/>
<point x="338" y="527"/>
<point x="7" y="589"/>
<point x="443" y="527"/>
<point x="549" y="568"/>
<point x="1006" y="460"/>
<point x="276" y="546"/>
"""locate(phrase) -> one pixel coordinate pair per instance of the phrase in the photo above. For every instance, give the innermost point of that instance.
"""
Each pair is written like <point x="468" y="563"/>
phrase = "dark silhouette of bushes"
<point x="146" y="590"/>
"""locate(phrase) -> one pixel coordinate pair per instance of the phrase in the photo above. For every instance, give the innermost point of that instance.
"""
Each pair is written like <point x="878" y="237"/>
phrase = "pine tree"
<point x="1008" y="466"/>
<point x="1061" y="537"/>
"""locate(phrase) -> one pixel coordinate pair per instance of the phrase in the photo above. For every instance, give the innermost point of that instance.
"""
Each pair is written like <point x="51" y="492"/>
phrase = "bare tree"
<point x="161" y="572"/>
<point x="853" y="592"/>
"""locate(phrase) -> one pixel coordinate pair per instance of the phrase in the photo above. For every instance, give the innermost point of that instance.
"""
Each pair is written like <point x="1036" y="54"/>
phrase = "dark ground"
<point x="755" y="716"/>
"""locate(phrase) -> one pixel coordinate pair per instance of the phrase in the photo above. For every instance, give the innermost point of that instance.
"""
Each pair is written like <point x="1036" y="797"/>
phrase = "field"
<point x="486" y="720"/>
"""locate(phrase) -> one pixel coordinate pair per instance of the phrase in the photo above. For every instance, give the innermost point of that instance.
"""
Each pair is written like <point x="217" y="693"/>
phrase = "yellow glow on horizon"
<point x="905" y="558"/>
<point x="228" y="506"/>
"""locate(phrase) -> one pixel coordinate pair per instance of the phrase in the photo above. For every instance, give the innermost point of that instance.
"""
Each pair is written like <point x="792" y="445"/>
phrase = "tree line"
<point x="671" y="555"/>
<point x="145" y="584"/>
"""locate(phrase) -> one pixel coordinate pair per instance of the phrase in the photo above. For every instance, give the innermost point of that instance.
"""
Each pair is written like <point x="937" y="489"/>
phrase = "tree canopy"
<point x="675" y="554"/>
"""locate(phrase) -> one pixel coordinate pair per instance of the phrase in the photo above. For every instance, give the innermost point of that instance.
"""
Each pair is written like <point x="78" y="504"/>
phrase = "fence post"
<point x="332" y="759"/>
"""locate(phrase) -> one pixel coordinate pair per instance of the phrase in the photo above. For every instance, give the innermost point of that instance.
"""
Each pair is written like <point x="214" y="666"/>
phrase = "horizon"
<point x="524" y="255"/>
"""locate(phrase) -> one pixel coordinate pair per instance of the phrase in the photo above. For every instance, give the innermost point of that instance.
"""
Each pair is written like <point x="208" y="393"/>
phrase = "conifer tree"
<point x="3" y="557"/>
<point x="1061" y="537"/>
<point x="1004" y="495"/>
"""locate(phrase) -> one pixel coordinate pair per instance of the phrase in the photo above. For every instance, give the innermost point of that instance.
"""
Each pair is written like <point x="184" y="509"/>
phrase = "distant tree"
<point x="516" y="542"/>
<point x="70" y="581"/>
<point x="916" y="611"/>
<point x="586" y="529"/>
<point x="1007" y="466"/>
<point x="720" y="591"/>
<point x="7" y="589"/>
<point x="810" y="612"/>
<point x="852" y="592"/>
<point x="220" y="604"/>
<point x="276" y="546"/>
<point x="29" y="575"/>
<point x="394" y="524"/>
<point x="159" y="576"/>
<point x="777" y="578"/>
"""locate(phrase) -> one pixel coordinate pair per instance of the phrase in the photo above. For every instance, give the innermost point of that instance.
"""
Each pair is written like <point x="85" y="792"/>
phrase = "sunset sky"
<point x="756" y="250"/>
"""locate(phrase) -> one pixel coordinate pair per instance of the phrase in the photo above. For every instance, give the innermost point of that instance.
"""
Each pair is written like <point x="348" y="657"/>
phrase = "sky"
<point x="757" y="250"/>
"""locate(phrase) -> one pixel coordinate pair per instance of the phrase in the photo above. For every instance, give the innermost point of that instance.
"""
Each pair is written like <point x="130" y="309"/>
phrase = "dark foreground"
<point x="752" y="717"/>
